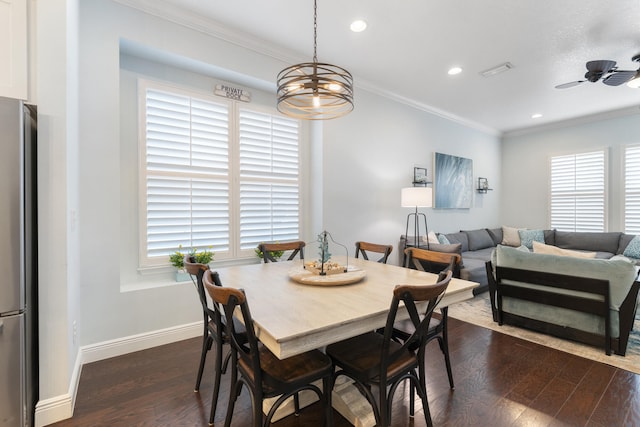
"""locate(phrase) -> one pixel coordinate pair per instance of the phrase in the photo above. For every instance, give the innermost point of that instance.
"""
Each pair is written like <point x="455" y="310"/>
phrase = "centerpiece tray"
<point x="306" y="277"/>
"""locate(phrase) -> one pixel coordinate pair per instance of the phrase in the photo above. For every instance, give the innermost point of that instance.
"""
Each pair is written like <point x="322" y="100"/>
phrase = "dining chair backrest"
<point x="243" y="342"/>
<point x="409" y="296"/>
<point x="365" y="248"/>
<point x="196" y="272"/>
<point x="268" y="250"/>
<point x="433" y="261"/>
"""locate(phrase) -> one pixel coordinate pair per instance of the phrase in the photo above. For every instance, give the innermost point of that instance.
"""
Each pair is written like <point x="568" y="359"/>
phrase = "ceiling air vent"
<point x="497" y="69"/>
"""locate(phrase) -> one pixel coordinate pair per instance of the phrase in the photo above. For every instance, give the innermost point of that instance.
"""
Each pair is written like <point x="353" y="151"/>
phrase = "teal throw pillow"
<point x="443" y="239"/>
<point x="527" y="237"/>
<point x="633" y="248"/>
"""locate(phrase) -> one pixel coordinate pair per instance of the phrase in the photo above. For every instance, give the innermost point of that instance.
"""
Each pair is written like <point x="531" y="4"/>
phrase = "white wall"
<point x="525" y="166"/>
<point x="55" y="76"/>
<point x="369" y="156"/>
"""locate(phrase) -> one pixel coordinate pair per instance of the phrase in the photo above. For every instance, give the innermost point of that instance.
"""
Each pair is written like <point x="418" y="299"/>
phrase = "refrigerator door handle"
<point x="1" y="325"/>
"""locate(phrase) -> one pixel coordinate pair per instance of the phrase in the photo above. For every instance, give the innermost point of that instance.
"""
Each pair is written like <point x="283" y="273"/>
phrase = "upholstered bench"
<point x="591" y="300"/>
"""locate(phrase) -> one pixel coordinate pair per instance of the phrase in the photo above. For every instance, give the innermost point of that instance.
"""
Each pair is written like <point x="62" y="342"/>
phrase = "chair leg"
<point x="206" y="345"/>
<point x="217" y="374"/>
<point x="444" y="345"/>
<point x="412" y="396"/>
<point x="421" y="383"/>
<point x="236" y="388"/>
<point x="327" y="384"/>
<point x="296" y="404"/>
<point x="425" y="405"/>
<point x="257" y="408"/>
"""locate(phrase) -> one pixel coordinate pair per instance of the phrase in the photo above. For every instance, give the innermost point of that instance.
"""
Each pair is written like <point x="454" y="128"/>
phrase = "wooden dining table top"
<point x="291" y="318"/>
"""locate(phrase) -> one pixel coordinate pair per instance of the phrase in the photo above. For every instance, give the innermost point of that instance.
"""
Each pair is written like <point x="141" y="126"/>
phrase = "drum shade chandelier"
<point x="315" y="90"/>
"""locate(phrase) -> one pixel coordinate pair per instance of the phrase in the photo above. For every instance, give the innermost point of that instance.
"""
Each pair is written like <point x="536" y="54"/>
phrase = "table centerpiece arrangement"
<point x="324" y="266"/>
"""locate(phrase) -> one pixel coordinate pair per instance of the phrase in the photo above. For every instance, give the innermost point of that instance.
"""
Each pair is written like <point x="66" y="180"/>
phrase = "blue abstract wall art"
<point x="453" y="182"/>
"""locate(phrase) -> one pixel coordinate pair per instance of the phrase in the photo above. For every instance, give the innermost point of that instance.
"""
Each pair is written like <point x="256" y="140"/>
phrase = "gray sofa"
<point x="476" y="246"/>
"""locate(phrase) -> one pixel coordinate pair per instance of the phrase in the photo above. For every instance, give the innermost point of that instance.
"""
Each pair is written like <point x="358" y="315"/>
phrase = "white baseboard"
<point x="125" y="345"/>
<point x="61" y="407"/>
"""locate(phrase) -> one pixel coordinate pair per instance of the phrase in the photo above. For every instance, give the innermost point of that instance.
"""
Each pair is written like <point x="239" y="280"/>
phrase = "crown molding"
<point x="576" y="121"/>
<point x="189" y="19"/>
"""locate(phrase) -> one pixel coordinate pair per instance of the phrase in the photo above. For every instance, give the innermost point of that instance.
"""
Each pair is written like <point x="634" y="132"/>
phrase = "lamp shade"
<point x="412" y="197"/>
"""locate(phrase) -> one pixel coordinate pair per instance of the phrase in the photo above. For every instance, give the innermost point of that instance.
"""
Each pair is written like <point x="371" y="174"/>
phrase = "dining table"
<point x="295" y="309"/>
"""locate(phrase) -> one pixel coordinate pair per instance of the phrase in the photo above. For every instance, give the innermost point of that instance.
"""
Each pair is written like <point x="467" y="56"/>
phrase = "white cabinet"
<point x="13" y="49"/>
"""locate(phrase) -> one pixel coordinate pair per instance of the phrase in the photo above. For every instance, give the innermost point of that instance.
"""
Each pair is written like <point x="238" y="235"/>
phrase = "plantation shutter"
<point x="269" y="178"/>
<point x="187" y="173"/>
<point x="632" y="190"/>
<point x="577" y="192"/>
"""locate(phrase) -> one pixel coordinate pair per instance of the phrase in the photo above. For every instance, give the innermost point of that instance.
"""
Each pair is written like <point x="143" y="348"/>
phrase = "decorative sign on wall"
<point x="230" y="92"/>
<point x="453" y="181"/>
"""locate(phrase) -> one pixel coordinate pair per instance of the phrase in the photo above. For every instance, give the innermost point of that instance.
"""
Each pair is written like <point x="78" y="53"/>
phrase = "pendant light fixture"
<point x="315" y="90"/>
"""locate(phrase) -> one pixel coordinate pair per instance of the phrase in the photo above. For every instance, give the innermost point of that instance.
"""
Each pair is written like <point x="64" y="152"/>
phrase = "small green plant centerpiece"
<point x="204" y="256"/>
<point x="324" y="265"/>
<point x="273" y="254"/>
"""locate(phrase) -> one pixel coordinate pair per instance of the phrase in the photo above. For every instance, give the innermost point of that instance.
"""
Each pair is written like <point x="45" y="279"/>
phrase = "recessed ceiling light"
<point x="358" y="26"/>
<point x="536" y="116"/>
<point x="454" y="70"/>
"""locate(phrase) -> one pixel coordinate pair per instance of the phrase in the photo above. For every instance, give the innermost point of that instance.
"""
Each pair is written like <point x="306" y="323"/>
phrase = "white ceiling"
<point x="410" y="44"/>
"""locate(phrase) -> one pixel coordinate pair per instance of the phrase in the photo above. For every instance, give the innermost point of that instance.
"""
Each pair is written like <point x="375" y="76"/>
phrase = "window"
<point x="577" y="192"/>
<point x="632" y="189"/>
<point x="214" y="173"/>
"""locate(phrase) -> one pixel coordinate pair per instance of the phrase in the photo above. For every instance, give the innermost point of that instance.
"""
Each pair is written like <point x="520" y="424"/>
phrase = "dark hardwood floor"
<point x="500" y="381"/>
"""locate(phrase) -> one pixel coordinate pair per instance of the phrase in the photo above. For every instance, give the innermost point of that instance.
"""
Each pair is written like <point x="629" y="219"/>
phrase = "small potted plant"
<point x="274" y="254"/>
<point x="204" y="256"/>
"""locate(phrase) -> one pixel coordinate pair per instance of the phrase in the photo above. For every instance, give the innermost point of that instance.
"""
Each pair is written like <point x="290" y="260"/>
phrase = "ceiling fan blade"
<point x="601" y="66"/>
<point x="619" y="77"/>
<point x="570" y="84"/>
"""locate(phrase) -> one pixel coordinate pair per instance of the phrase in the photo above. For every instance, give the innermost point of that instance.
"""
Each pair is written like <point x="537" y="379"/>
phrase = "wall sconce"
<point x="483" y="186"/>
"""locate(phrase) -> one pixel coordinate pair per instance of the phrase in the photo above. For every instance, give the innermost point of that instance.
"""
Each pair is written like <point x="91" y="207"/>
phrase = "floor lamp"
<point x="416" y="197"/>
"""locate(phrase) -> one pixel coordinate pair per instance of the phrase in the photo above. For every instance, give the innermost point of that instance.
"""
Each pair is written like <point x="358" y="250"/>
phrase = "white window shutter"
<point x="269" y="178"/>
<point x="187" y="167"/>
<point x="632" y="189"/>
<point x="577" y="192"/>
<point x="203" y="161"/>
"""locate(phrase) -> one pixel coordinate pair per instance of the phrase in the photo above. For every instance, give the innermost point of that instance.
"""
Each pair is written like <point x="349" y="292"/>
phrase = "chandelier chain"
<point x="315" y="31"/>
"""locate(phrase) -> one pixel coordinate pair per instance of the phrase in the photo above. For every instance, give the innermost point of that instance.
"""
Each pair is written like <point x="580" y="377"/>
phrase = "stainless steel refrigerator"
<point x="18" y="263"/>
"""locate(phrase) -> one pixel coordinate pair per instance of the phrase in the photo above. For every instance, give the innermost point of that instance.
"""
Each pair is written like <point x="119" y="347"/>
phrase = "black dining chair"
<point x="433" y="262"/>
<point x="366" y="248"/>
<point x="258" y="369"/>
<point x="377" y="360"/>
<point x="213" y="333"/>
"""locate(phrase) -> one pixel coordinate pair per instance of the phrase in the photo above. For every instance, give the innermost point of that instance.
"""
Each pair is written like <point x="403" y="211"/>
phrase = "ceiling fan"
<point x="608" y="72"/>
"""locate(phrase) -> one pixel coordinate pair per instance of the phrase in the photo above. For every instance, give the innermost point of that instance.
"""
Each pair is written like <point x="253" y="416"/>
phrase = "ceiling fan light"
<point x="634" y="82"/>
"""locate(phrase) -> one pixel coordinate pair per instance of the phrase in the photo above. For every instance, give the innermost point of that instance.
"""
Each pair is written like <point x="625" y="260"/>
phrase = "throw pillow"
<point x="442" y="239"/>
<point x="633" y="248"/>
<point x="478" y="239"/>
<point x="510" y="236"/>
<point x="496" y="235"/>
<point x="527" y="237"/>
<point x="541" y="248"/>
<point x="431" y="238"/>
